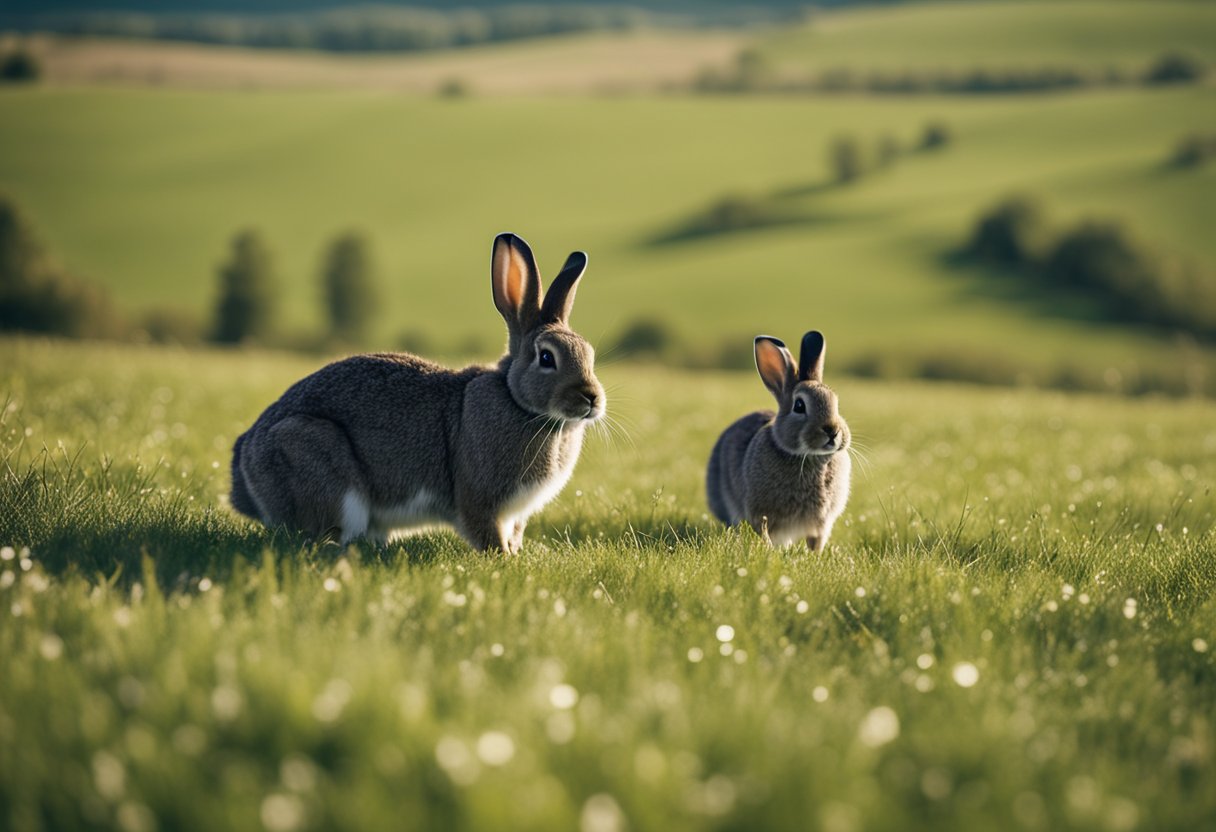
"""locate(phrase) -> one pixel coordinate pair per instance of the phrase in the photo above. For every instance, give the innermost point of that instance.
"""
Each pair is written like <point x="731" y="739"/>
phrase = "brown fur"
<point x="785" y="473"/>
<point x="385" y="443"/>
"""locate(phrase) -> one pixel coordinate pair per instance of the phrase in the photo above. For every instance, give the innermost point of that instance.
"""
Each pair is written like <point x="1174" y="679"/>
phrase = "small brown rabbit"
<point x="786" y="471"/>
<point x="378" y="445"/>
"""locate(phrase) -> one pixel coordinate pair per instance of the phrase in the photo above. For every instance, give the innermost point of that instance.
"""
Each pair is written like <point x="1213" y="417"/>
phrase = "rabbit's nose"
<point x="592" y="397"/>
<point x="830" y="432"/>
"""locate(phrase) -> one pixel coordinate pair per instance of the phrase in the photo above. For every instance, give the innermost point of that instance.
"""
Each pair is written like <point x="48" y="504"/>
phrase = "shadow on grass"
<point x="180" y="547"/>
<point x="212" y="544"/>
<point x="1011" y="287"/>
<point x="706" y="226"/>
<point x="807" y="189"/>
<point x="740" y="214"/>
<point x="185" y="546"/>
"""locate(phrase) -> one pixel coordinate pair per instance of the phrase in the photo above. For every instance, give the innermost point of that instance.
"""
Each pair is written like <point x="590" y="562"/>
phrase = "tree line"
<point x="369" y="29"/>
<point x="1100" y="256"/>
<point x="752" y="72"/>
<point x="38" y="295"/>
<point x="849" y="157"/>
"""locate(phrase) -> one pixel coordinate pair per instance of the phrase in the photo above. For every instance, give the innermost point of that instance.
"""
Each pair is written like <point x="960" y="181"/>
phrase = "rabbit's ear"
<point x="810" y="361"/>
<point x="559" y="300"/>
<point x="516" y="283"/>
<point x="775" y="364"/>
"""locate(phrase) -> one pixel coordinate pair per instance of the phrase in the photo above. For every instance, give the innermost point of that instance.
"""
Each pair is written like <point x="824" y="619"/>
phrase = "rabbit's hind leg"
<point x="485" y="533"/>
<point x="306" y="477"/>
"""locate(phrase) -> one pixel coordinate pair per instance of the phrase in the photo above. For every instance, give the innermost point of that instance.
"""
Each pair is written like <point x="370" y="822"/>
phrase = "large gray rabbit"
<point x="378" y="445"/>
<point x="787" y="471"/>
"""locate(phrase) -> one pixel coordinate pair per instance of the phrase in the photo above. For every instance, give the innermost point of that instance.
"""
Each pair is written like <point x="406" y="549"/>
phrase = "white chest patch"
<point x="532" y="497"/>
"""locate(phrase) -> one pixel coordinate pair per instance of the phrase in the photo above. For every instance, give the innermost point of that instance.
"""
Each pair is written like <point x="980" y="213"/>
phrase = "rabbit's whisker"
<point x="546" y="427"/>
<point x="610" y="428"/>
<point x="555" y="426"/>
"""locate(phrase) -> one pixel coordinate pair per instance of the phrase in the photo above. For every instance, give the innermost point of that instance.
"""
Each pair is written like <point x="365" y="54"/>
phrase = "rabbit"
<point x="786" y="473"/>
<point x="384" y="444"/>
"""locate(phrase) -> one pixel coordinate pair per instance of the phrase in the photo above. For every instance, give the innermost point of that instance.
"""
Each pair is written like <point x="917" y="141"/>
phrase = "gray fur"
<point x="386" y="443"/>
<point x="785" y="473"/>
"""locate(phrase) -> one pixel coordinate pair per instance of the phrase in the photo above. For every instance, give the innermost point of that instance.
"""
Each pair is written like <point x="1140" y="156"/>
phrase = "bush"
<point x="645" y="337"/>
<point x="454" y="88"/>
<point x="1138" y="283"/>
<point x="246" y="300"/>
<point x="166" y="325"/>
<point x="1175" y="68"/>
<point x="1100" y="255"/>
<point x="846" y="159"/>
<point x="1102" y="259"/>
<point x="60" y="304"/>
<point x="36" y="295"/>
<point x="350" y="297"/>
<point x="19" y="66"/>
<point x="1194" y="150"/>
<point x="1014" y="233"/>
<point x="937" y="135"/>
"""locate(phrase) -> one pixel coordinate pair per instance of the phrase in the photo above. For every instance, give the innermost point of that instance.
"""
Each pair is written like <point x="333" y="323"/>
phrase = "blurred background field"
<point x="779" y="173"/>
<point x="201" y="202"/>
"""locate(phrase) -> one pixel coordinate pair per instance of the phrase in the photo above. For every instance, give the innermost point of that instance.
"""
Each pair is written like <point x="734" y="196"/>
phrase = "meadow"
<point x="141" y="184"/>
<point x="1012" y="627"/>
<point x="431" y="181"/>
<point x="1093" y="35"/>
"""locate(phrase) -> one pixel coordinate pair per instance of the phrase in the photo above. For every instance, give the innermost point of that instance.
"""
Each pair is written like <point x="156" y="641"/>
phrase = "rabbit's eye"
<point x="547" y="360"/>
<point x="799" y="406"/>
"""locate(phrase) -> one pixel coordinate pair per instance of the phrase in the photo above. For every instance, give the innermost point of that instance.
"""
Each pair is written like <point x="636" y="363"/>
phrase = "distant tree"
<point x="936" y="135"/>
<point x="752" y="70"/>
<point x="1014" y="233"/>
<point x="349" y="293"/>
<point x="845" y="158"/>
<point x="1174" y="68"/>
<point x="36" y="295"/>
<point x="19" y="65"/>
<point x="1102" y="255"/>
<point x="246" y="300"/>
<point x="22" y="260"/>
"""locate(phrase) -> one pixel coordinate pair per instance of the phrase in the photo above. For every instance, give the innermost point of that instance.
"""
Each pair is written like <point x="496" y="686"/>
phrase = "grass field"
<point x="146" y="199"/>
<point x="1011" y="629"/>
<point x="1091" y="35"/>
<point x="1014" y="624"/>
